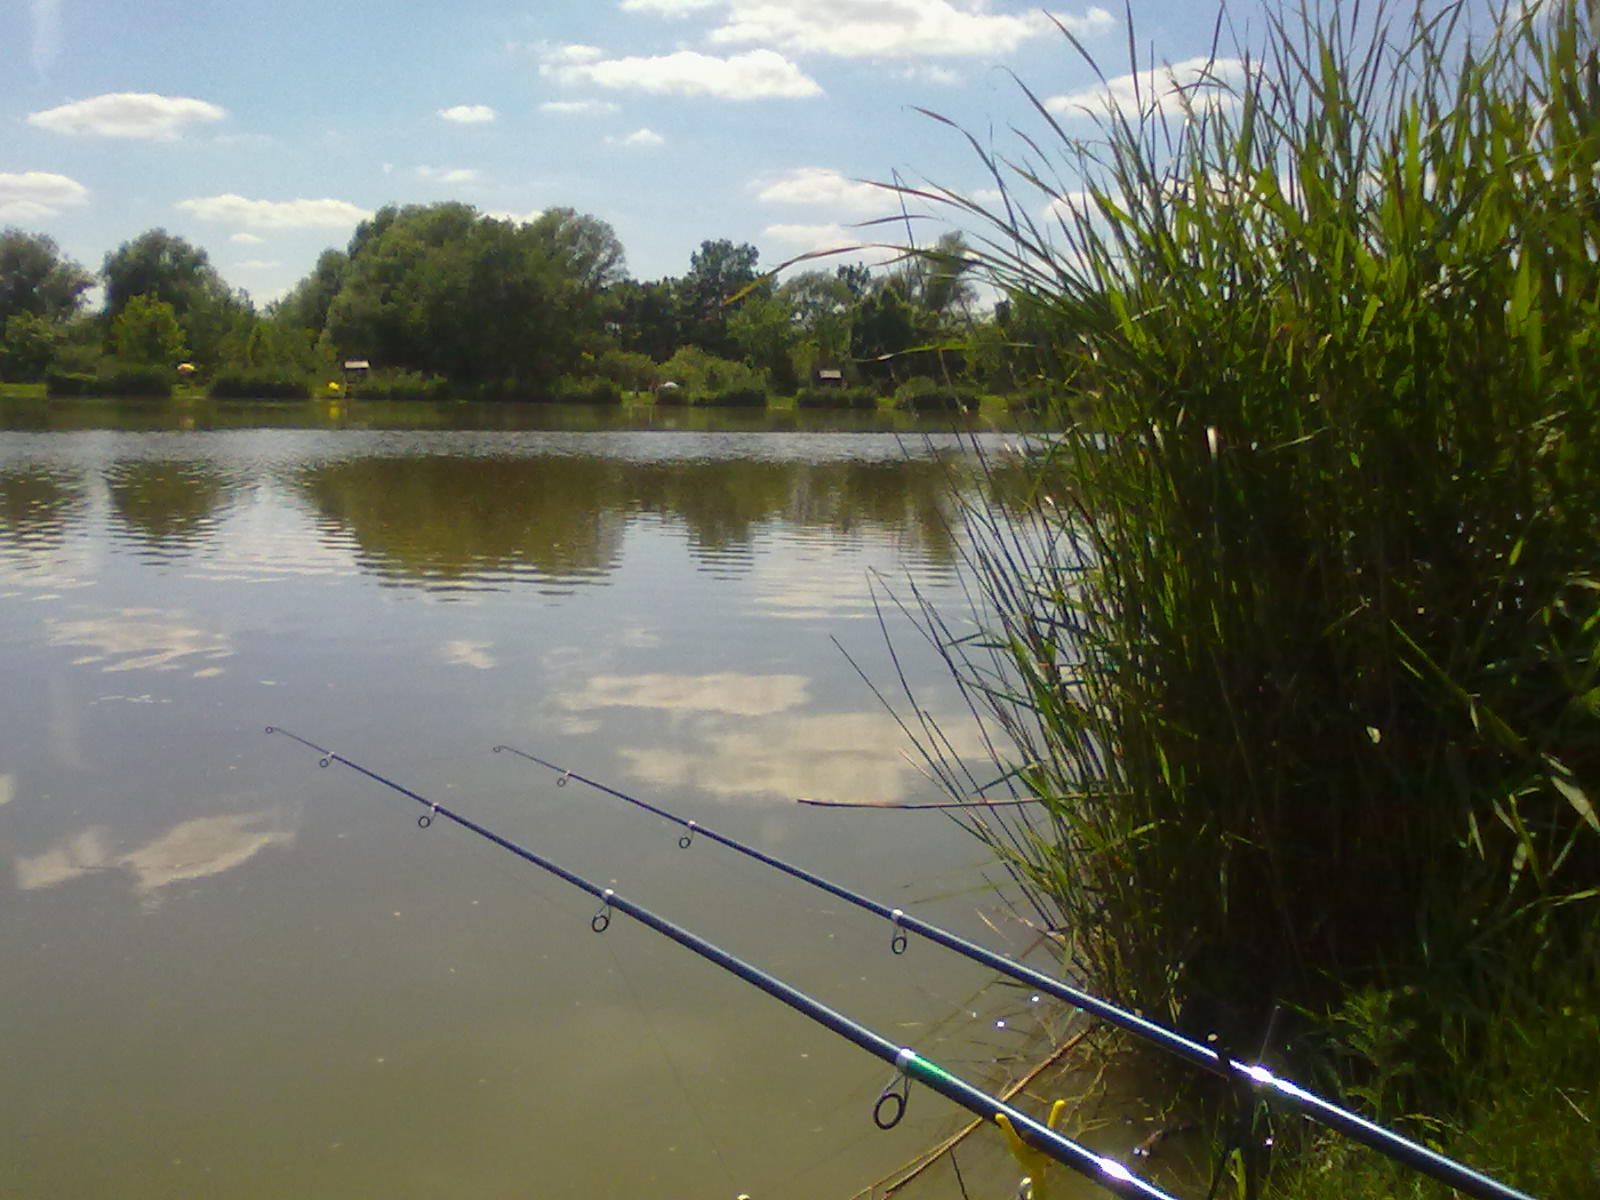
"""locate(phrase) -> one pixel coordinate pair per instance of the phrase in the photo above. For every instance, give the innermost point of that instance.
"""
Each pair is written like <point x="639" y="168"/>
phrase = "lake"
<point x="233" y="973"/>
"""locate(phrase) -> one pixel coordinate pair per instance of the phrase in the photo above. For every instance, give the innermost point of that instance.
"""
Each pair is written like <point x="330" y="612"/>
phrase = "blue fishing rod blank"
<point x="1258" y="1078"/>
<point x="1108" y="1173"/>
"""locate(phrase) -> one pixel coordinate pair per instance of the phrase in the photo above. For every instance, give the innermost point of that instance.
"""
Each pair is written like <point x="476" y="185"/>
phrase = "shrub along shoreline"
<point x="1298" y="640"/>
<point x="918" y="396"/>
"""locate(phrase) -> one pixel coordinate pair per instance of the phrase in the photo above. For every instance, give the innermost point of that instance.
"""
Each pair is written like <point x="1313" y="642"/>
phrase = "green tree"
<point x="443" y="290"/>
<point x="718" y="271"/>
<point x="146" y="333"/>
<point x="946" y="290"/>
<point x="649" y="318"/>
<point x="856" y="277"/>
<point x="271" y="347"/>
<point x="630" y="371"/>
<point x="885" y="326"/>
<point x="764" y="329"/>
<point x="306" y="306"/>
<point x="586" y="247"/>
<point x="167" y="268"/>
<point x="701" y="374"/>
<point x="28" y="344"/>
<point x="36" y="279"/>
<point x="823" y="306"/>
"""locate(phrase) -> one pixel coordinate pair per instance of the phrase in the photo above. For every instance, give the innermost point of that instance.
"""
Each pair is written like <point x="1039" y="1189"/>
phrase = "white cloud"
<point x="231" y="209"/>
<point x="127" y="115"/>
<point x="449" y="174"/>
<point x="258" y="264"/>
<point x="247" y="239"/>
<point x="877" y="28"/>
<point x="579" y="108"/>
<point x="668" y="8"/>
<point x="1207" y="81"/>
<point x="468" y="114"/>
<point x="570" y="56"/>
<point x="931" y="73"/>
<point x="838" y="243"/>
<point x="527" y="218"/>
<point x="1070" y="207"/>
<point x="822" y="187"/>
<point x="756" y="74"/>
<point x="811" y="237"/>
<point x="34" y="195"/>
<point x="639" y="139"/>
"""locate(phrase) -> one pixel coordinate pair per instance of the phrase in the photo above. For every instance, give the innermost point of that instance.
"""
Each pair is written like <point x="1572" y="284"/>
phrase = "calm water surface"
<point x="231" y="973"/>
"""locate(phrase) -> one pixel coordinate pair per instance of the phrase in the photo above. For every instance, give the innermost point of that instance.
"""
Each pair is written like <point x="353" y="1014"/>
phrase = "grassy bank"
<point x="989" y="411"/>
<point x="1298" y="639"/>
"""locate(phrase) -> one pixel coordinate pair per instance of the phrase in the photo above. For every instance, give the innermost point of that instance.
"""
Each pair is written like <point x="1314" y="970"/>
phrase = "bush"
<point x="71" y="383"/>
<point x="704" y="374"/>
<point x="138" y="381"/>
<point x="854" y="397"/>
<point x="738" y="397"/>
<point x="924" y="395"/>
<point x="114" y="381"/>
<point x="629" y="371"/>
<point x="396" y="383"/>
<point x="247" y="386"/>
<point x="28" y="346"/>
<point x="671" y="397"/>
<point x="587" y="391"/>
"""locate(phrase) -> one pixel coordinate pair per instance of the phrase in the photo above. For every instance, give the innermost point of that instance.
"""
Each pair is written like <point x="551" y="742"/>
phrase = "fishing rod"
<point x="1108" y="1173"/>
<point x="1253" y="1076"/>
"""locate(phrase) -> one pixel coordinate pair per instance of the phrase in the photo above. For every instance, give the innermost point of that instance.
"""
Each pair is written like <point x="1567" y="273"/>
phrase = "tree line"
<point x="442" y="299"/>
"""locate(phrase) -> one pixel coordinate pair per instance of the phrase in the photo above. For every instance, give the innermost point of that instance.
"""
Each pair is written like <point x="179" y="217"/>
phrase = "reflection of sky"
<point x="266" y="544"/>
<point x="461" y="653"/>
<point x="726" y="692"/>
<point x="747" y="740"/>
<point x="190" y="850"/>
<point x="37" y="574"/>
<point x="840" y="756"/>
<point x="704" y="679"/>
<point x="134" y="639"/>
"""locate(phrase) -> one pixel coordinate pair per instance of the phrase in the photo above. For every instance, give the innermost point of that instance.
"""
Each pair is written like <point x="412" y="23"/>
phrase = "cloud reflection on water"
<point x="726" y="692"/>
<point x="838" y="756"/>
<point x="134" y="639"/>
<point x="468" y="654"/>
<point x="746" y="740"/>
<point x="190" y="850"/>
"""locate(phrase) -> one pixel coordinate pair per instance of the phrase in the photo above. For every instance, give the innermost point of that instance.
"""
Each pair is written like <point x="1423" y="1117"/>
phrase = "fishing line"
<point x="1252" y="1076"/>
<point x="908" y="1065"/>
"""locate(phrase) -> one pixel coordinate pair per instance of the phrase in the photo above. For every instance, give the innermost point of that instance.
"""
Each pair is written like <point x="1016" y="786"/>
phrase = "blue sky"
<point x="265" y="132"/>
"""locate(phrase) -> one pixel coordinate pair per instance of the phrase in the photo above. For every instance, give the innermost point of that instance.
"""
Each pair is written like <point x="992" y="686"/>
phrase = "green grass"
<point x="1297" y="636"/>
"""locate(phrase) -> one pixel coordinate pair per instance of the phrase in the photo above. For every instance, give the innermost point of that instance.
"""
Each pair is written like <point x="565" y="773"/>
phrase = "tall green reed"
<point x="1297" y="635"/>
